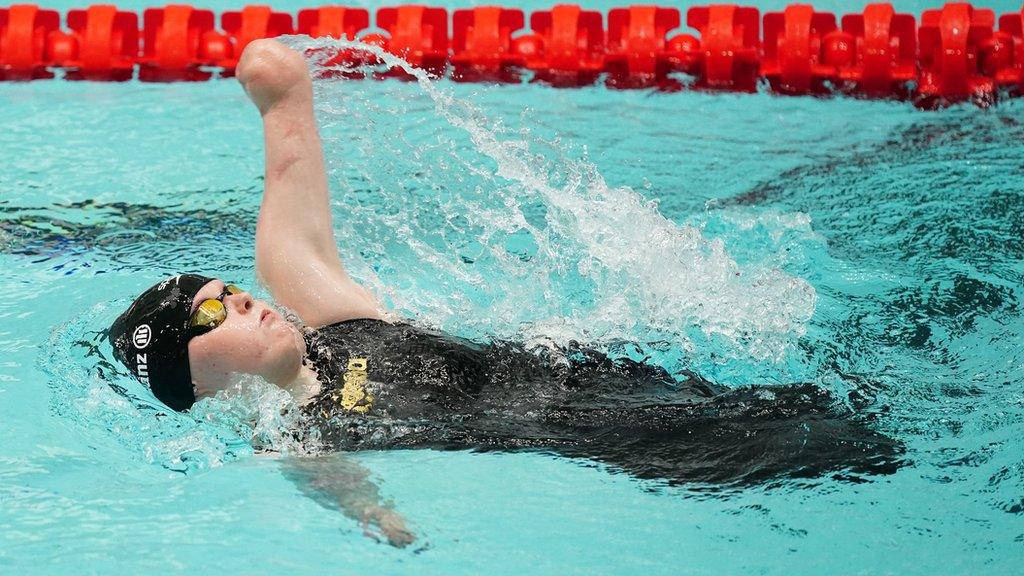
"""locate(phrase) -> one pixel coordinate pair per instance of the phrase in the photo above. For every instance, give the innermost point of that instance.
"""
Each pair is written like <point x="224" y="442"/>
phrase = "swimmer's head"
<point x="160" y="341"/>
<point x="151" y="338"/>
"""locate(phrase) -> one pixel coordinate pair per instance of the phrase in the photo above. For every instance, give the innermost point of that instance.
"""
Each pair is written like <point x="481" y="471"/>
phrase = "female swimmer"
<point x="366" y="380"/>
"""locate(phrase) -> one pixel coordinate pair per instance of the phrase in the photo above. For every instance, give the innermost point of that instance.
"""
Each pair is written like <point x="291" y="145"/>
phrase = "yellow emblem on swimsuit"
<point x="354" y="396"/>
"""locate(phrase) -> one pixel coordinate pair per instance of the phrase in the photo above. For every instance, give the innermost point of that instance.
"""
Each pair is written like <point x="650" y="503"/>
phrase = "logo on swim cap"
<point x="141" y="336"/>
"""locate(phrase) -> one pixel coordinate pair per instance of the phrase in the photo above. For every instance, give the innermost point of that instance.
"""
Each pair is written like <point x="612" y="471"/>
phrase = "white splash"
<point x="507" y="235"/>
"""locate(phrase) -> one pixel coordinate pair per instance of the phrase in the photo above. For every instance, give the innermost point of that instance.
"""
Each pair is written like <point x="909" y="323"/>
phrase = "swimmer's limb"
<point x="296" y="252"/>
<point x="339" y="483"/>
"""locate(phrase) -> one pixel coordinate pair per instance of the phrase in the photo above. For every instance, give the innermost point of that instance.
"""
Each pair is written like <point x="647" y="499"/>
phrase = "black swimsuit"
<point x="400" y="386"/>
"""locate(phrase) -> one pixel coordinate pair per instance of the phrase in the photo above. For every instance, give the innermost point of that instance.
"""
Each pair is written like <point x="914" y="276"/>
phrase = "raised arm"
<point x="296" y="254"/>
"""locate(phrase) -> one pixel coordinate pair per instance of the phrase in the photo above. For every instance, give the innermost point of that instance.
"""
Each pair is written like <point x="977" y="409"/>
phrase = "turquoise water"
<point x="865" y="246"/>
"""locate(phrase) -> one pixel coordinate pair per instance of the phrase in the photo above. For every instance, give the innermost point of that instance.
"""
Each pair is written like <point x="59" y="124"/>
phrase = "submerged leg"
<point x="741" y="436"/>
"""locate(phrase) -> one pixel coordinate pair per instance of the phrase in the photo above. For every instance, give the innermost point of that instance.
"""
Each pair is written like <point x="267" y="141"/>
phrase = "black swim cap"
<point x="151" y="338"/>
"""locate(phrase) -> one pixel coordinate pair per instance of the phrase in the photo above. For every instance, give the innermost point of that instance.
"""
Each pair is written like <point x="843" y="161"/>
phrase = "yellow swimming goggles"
<point x="211" y="312"/>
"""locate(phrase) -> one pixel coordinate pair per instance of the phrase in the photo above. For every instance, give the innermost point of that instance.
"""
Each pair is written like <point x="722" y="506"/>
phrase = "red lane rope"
<point x="954" y="53"/>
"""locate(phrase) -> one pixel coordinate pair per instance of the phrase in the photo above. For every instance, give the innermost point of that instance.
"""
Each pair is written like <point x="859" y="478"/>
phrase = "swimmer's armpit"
<point x="338" y="483"/>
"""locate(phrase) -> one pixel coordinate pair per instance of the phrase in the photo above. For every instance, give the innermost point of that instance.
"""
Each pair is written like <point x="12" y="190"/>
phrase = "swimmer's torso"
<point x="399" y="386"/>
<point x="387" y="384"/>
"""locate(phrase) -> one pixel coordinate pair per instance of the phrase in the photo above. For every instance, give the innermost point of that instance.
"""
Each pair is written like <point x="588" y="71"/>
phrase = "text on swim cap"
<point x="142" y="368"/>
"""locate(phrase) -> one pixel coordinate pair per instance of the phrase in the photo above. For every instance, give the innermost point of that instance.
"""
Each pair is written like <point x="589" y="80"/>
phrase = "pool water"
<point x="865" y="246"/>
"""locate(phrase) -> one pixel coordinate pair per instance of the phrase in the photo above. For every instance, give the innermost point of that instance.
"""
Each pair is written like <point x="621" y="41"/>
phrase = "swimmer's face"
<point x="253" y="339"/>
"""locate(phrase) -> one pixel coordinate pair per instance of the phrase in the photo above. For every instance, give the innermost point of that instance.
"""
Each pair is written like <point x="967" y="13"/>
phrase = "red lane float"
<point x="24" y="36"/>
<point x="638" y="50"/>
<point x="336" y="22"/>
<point x="950" y="41"/>
<point x="876" y="52"/>
<point x="955" y="54"/>
<point x="567" y="46"/>
<point x="242" y="27"/>
<point x="333" y="21"/>
<point x="172" y="42"/>
<point x="482" y="46"/>
<point x="419" y="34"/>
<point x="730" y="46"/>
<point x="794" y="60"/>
<point x="1006" y="54"/>
<point x="103" y="44"/>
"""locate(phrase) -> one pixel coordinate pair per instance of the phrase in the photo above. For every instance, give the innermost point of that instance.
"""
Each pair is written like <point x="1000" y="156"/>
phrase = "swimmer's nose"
<point x="240" y="303"/>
